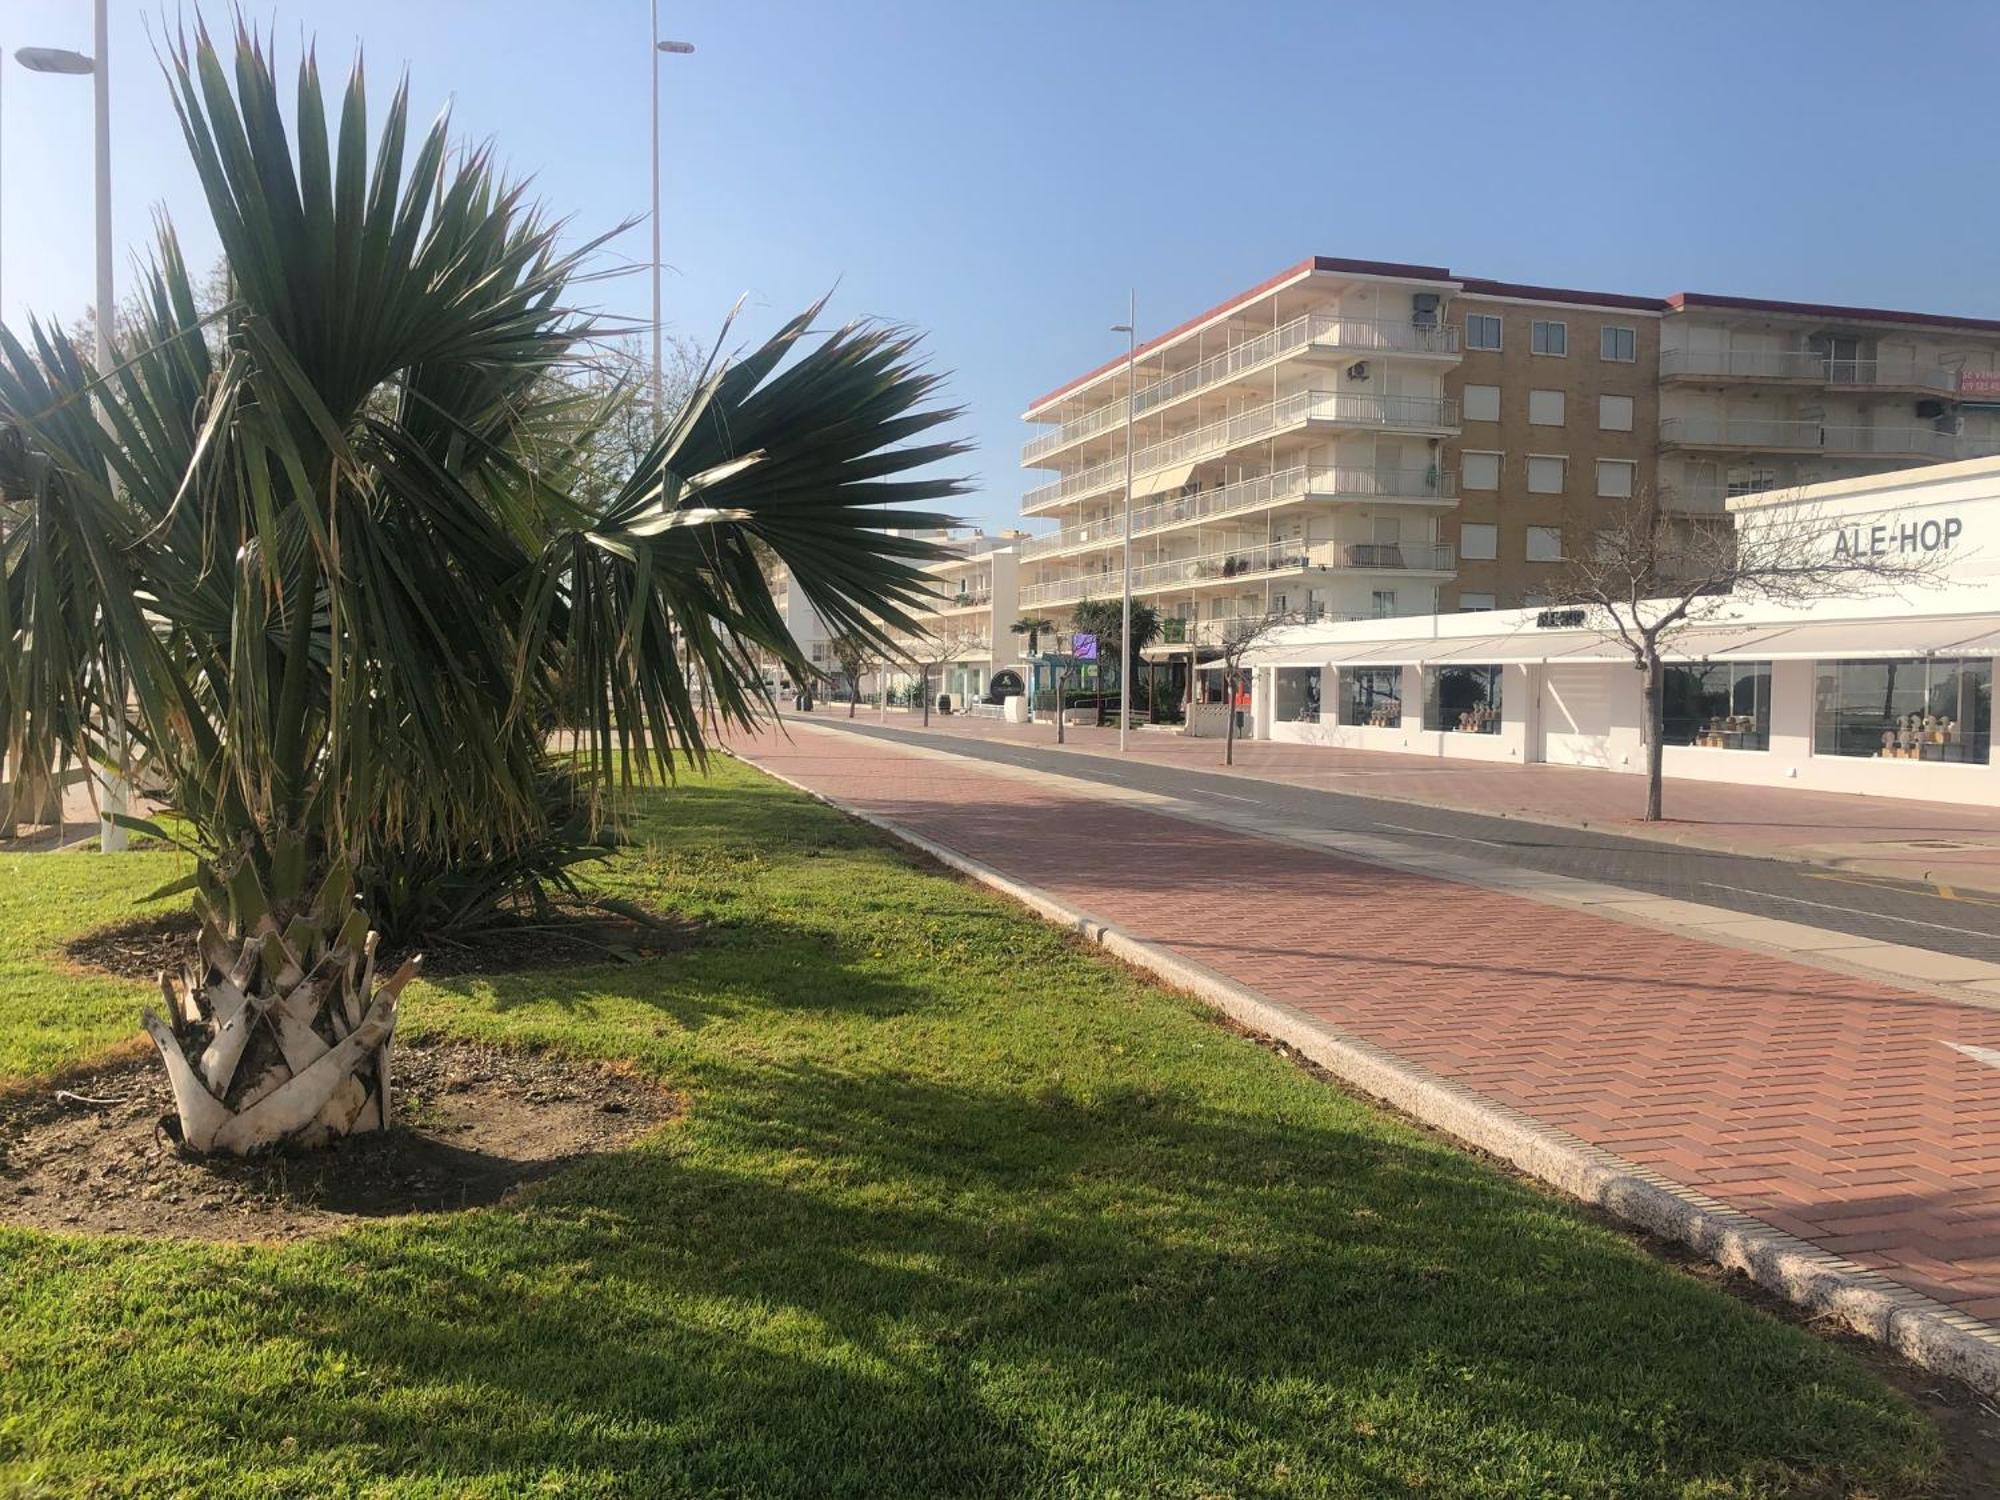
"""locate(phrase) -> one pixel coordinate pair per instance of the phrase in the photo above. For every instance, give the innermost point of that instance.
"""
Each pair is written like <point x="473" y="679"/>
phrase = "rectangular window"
<point x="1914" y="708"/>
<point x="1382" y="602"/>
<point x="1548" y="337"/>
<point x="1371" y="697"/>
<point x="1478" y="542"/>
<point x="1479" y="471"/>
<point x="1545" y="408"/>
<point x="1475" y="603"/>
<point x="1482" y="331"/>
<point x="1750" y="481"/>
<point x="1462" y="700"/>
<point x="1547" y="475"/>
<point x="1545" y="544"/>
<point x="1720" y="705"/>
<point x="1614" y="478"/>
<point x="1614" y="413"/>
<point x="1620" y="344"/>
<point x="1296" y="696"/>
<point x="1482" y="403"/>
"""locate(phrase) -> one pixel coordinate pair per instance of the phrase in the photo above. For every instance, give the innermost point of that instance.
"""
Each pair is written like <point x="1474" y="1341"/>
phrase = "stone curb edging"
<point x="1921" y="1329"/>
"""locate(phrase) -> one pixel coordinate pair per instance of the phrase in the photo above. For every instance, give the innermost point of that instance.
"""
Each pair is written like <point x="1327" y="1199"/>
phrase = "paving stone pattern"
<point x="1827" y="1106"/>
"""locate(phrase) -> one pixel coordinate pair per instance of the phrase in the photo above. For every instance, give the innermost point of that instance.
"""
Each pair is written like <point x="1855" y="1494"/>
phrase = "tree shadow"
<point x="835" y="1282"/>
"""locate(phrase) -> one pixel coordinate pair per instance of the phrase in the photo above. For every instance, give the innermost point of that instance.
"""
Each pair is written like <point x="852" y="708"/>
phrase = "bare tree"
<point x="1653" y="575"/>
<point x="940" y="650"/>
<point x="1241" y="636"/>
<point x="852" y="654"/>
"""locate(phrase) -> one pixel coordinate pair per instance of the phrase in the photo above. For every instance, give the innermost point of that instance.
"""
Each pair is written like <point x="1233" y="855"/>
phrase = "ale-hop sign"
<point x="1899" y="538"/>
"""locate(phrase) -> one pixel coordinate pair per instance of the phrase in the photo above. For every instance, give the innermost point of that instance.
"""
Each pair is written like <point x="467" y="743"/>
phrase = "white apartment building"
<point x="968" y="633"/>
<point x="1288" y="452"/>
<point x="1360" y="439"/>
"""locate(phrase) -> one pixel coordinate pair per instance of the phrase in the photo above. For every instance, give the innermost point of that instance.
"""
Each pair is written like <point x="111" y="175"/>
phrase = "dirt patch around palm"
<point x="475" y="1124"/>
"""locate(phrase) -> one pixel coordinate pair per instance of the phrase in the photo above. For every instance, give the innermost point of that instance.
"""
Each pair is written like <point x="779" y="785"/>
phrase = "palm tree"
<point x="328" y="556"/>
<point x="1034" y="627"/>
<point x="1105" y="619"/>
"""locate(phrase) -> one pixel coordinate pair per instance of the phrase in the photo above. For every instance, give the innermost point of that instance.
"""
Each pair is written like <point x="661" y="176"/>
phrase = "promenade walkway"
<point x="1861" y="1117"/>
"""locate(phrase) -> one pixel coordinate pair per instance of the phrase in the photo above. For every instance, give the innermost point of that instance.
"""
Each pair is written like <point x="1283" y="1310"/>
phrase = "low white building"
<point x="1886" y="693"/>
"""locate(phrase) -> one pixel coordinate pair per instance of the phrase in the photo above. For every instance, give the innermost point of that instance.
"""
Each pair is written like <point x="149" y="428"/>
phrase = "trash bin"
<point x="944" y="703"/>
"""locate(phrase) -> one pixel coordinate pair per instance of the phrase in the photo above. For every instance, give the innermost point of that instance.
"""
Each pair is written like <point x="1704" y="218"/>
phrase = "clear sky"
<point x="1000" y="174"/>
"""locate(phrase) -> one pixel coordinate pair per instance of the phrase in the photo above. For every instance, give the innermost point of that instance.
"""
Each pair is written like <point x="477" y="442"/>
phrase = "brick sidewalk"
<point x="1872" y="835"/>
<point x="1827" y="1106"/>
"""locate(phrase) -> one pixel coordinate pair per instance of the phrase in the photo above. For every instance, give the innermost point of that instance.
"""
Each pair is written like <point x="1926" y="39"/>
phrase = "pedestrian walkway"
<point x="1861" y="1117"/>
<point x="1948" y="844"/>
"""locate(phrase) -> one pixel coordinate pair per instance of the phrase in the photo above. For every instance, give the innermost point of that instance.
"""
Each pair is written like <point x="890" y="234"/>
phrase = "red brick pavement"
<point x="1876" y="835"/>
<point x="1825" y="1105"/>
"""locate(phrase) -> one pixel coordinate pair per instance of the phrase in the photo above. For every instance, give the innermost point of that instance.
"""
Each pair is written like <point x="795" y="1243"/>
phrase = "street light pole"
<point x="111" y="836"/>
<point x="1130" y="328"/>
<point x="679" y="49"/>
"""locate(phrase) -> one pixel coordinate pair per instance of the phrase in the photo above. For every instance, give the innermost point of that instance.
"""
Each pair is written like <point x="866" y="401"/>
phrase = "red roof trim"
<point x="1476" y="287"/>
<point x="1684" y="301"/>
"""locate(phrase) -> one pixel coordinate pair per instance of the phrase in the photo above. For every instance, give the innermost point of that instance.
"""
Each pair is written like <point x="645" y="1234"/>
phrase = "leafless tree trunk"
<point x="1655" y="698"/>
<point x="1654" y="575"/>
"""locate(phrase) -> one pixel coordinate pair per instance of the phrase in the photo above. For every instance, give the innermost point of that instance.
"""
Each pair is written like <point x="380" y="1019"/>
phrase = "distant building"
<point x="1356" y="439"/>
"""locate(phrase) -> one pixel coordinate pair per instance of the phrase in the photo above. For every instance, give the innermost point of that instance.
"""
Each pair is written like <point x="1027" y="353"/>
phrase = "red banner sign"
<point x="1979" y="383"/>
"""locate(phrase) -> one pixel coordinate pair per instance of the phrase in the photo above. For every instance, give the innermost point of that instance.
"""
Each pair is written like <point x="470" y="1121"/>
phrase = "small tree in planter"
<point x="852" y="653"/>
<point x="1241" y="636"/>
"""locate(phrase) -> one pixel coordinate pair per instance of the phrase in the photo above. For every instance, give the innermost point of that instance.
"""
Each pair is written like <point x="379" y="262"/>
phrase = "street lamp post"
<point x="111" y="836"/>
<point x="1130" y="328"/>
<point x="679" y="49"/>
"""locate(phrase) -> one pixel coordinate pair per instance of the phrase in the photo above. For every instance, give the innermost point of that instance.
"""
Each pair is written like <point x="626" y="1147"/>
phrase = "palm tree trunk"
<point x="280" y="1036"/>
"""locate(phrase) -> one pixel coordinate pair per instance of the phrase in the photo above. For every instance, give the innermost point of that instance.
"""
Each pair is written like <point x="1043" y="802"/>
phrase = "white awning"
<point x="1161" y="480"/>
<point x="1891" y="636"/>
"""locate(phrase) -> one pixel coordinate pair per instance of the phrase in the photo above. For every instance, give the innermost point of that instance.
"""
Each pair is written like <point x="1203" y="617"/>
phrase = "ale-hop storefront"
<point x="1886" y="693"/>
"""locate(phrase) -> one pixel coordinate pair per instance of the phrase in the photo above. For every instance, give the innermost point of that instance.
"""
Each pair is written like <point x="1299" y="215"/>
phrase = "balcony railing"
<point x="1314" y="330"/>
<point x="1806" y="364"/>
<point x="1821" y="437"/>
<point x="962" y="598"/>
<point x="1299" y="482"/>
<point x="1346" y="408"/>
<point x="1249" y="562"/>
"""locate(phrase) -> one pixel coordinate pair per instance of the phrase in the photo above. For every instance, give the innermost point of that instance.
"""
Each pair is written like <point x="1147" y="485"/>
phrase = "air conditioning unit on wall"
<point x="1358" y="370"/>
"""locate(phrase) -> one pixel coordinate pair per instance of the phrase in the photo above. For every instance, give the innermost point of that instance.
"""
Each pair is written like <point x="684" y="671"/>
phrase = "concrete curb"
<point x="1855" y="864"/>
<point x="1922" y="1330"/>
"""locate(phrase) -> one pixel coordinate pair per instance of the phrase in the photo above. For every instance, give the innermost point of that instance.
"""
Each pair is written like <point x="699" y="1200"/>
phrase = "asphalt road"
<point x="1879" y="908"/>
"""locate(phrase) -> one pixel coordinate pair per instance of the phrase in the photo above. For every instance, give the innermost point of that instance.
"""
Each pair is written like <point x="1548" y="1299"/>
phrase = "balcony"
<point x="1760" y="435"/>
<point x="1323" y="332"/>
<point x="975" y="598"/>
<point x="1240" y="564"/>
<point x="1396" y="486"/>
<point x="1302" y="409"/>
<point x="1806" y="367"/>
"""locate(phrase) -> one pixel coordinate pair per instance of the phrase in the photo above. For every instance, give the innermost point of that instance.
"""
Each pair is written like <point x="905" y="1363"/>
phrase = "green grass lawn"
<point x="957" y="1208"/>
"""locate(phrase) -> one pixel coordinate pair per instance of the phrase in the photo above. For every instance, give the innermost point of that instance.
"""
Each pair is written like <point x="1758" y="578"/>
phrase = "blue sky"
<point x="1000" y="175"/>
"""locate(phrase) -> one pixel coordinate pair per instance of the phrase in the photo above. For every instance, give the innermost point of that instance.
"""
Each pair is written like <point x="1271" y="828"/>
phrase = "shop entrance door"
<point x="1576" y="716"/>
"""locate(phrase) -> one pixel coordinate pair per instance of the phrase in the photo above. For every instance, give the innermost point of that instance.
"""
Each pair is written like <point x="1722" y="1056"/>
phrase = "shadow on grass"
<point x="867" y="1284"/>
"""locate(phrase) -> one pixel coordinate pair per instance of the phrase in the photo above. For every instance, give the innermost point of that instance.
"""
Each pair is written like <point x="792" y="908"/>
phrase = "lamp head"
<point x="54" y="60"/>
